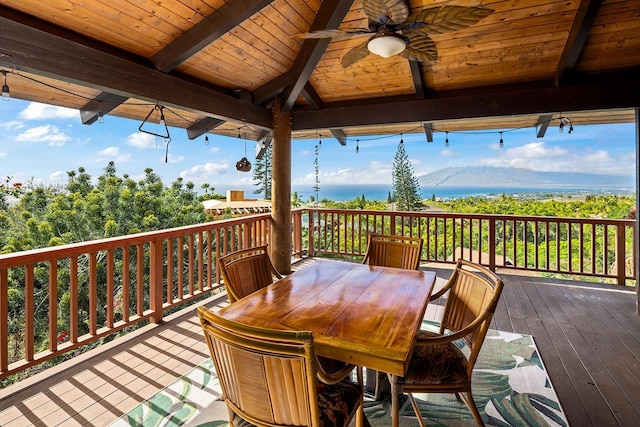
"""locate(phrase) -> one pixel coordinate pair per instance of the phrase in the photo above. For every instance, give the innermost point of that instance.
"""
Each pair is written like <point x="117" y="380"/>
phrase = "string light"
<point x="206" y="140"/>
<point x="501" y="141"/>
<point x="446" y="141"/>
<point x="5" y="88"/>
<point x="564" y="121"/>
<point x="357" y="146"/>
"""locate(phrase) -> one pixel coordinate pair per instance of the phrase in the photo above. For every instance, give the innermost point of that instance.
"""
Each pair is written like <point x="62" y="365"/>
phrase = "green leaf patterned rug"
<point x="511" y="388"/>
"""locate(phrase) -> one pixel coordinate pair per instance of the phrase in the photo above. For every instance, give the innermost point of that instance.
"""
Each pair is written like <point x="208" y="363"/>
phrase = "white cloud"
<point x="447" y="152"/>
<point x="47" y="133"/>
<point x="59" y="177"/>
<point x="36" y="111"/>
<point x="203" y="173"/>
<point x="12" y="124"/>
<point x="214" y="150"/>
<point x="142" y="140"/>
<point x="542" y="157"/>
<point x="175" y="159"/>
<point x="114" y="152"/>
<point x="375" y="173"/>
<point x="110" y="151"/>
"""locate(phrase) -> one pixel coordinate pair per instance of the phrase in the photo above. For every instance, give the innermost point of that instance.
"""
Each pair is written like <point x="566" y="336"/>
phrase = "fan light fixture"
<point x="386" y="44"/>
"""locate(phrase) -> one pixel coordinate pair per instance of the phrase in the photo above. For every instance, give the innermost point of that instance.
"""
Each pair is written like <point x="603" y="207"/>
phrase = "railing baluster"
<point x="140" y="279"/>
<point x="29" y="312"/>
<point x="125" y="289"/>
<point x="110" y="288"/>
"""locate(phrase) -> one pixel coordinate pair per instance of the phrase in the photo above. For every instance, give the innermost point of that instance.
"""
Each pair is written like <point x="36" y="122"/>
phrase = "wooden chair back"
<point x="268" y="377"/>
<point x="474" y="291"/>
<point x="245" y="271"/>
<point x="393" y="251"/>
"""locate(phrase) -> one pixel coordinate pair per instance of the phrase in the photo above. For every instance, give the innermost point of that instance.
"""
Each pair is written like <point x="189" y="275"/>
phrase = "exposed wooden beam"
<point x="101" y="105"/>
<point x="205" y="32"/>
<point x="203" y="126"/>
<point x="316" y="103"/>
<point x="428" y="131"/>
<point x="218" y="23"/>
<point x="271" y="89"/>
<point x="263" y="145"/>
<point x="608" y="94"/>
<point x="577" y="37"/>
<point x="543" y="124"/>
<point x="418" y="79"/>
<point x="329" y="16"/>
<point x="80" y="62"/>
<point x="340" y="136"/>
<point x="312" y="97"/>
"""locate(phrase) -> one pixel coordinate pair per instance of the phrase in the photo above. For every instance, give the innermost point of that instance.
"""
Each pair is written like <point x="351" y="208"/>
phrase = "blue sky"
<point x="43" y="142"/>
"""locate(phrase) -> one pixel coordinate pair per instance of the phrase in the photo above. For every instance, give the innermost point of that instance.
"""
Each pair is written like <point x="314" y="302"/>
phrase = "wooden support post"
<point x="280" y="246"/>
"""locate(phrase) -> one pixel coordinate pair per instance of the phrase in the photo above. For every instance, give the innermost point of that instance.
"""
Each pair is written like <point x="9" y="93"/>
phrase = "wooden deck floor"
<point x="588" y="337"/>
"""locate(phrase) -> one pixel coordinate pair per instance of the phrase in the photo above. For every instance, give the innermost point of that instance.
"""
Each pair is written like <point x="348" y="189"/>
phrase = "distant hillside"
<point x="487" y="176"/>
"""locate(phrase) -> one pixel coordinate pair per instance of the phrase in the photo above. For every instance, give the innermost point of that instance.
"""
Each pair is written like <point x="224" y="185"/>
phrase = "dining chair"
<point x="437" y="364"/>
<point x="390" y="251"/>
<point x="271" y="377"/>
<point x="393" y="251"/>
<point x="247" y="270"/>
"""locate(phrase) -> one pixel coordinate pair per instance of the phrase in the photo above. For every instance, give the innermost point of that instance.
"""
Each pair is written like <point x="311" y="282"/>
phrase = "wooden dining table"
<point x="361" y="314"/>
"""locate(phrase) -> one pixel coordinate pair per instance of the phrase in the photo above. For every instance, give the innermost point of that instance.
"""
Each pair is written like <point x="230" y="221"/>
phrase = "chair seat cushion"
<point x="337" y="402"/>
<point x="436" y="364"/>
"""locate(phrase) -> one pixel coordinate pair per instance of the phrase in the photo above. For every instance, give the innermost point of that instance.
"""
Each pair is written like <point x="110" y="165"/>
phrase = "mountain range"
<point x="489" y="176"/>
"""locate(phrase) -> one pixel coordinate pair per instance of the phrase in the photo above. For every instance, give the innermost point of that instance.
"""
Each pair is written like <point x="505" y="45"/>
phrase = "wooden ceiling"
<point x="216" y="66"/>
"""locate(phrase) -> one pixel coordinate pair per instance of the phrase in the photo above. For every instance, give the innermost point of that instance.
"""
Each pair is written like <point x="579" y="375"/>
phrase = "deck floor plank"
<point x="588" y="336"/>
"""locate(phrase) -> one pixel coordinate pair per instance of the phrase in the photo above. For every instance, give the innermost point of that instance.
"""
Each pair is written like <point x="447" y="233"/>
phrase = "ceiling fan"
<point x="394" y="30"/>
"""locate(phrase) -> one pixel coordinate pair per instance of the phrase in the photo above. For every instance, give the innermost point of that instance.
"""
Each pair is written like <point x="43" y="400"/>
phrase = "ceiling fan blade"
<point x="354" y="55"/>
<point x="444" y="19"/>
<point x="420" y="47"/>
<point x="384" y="12"/>
<point x="335" y="34"/>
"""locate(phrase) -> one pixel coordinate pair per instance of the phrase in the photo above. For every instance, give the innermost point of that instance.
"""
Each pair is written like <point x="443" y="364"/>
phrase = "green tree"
<point x="262" y="175"/>
<point x="406" y="190"/>
<point x="296" y="202"/>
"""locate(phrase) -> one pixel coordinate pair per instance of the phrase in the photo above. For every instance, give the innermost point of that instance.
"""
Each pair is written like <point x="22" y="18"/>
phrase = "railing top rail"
<point x="79" y="248"/>
<point x="441" y="214"/>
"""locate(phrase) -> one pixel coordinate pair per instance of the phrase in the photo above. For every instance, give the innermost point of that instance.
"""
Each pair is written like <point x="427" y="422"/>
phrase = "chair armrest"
<point x="442" y="339"/>
<point x="334" y="377"/>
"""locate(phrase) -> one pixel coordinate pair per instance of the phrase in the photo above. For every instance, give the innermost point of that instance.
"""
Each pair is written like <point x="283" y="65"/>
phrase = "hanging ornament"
<point x="243" y="165"/>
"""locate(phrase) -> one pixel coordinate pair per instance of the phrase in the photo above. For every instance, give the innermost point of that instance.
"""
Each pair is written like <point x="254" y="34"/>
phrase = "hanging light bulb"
<point x="5" y="88"/>
<point x="565" y="121"/>
<point x="501" y="141"/>
<point x="206" y="140"/>
<point x="100" y="117"/>
<point x="446" y="141"/>
<point x="357" y="146"/>
<point x="401" y="140"/>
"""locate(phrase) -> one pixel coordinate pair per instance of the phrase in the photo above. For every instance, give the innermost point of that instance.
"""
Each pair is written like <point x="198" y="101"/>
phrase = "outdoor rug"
<point x="510" y="384"/>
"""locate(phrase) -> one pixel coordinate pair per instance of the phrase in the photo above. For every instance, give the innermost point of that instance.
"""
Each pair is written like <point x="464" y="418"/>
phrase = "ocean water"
<point x="380" y="192"/>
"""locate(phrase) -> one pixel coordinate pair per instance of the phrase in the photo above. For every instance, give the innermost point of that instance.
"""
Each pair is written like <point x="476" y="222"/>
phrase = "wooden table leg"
<point x="395" y="402"/>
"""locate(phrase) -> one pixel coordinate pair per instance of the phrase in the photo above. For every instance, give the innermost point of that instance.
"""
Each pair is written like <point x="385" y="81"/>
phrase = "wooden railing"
<point x="87" y="291"/>
<point x="575" y="246"/>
